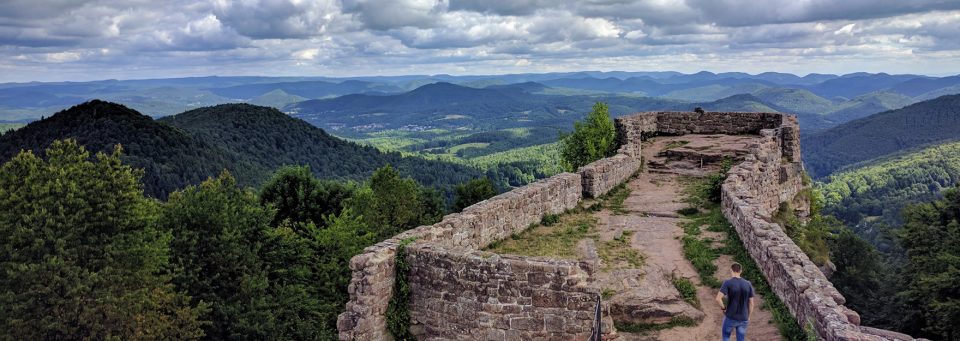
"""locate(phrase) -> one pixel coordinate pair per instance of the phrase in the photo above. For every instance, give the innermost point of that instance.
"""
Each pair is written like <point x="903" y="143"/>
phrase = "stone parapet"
<point x="600" y="176"/>
<point x="476" y="295"/>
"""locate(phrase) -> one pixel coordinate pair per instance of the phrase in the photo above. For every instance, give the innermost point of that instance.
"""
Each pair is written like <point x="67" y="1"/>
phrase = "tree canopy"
<point x="592" y="139"/>
<point x="82" y="257"/>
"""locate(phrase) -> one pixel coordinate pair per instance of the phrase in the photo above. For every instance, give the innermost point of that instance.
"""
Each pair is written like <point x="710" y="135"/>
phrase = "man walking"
<point x="739" y="306"/>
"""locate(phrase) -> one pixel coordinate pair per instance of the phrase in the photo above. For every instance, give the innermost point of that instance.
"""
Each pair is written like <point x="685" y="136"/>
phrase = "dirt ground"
<point x="655" y="197"/>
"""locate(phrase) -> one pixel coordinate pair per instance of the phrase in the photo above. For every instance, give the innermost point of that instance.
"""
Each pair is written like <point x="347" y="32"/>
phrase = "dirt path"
<point x="655" y="197"/>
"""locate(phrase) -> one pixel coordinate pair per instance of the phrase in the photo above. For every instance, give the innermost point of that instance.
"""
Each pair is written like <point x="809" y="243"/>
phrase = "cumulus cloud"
<point x="162" y="38"/>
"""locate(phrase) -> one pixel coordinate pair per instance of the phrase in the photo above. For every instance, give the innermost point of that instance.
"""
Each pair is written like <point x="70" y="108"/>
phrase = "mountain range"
<point x="249" y="141"/>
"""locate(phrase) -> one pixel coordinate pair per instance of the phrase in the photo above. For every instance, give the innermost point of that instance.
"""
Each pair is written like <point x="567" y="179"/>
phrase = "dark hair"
<point x="736" y="267"/>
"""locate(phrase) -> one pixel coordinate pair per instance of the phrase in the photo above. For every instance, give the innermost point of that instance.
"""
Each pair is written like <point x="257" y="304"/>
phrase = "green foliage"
<point x="472" y="192"/>
<point x="613" y="199"/>
<point x="876" y="191"/>
<point x="592" y="139"/>
<point x="618" y="253"/>
<point x="559" y="239"/>
<point x="687" y="290"/>
<point x="299" y="197"/>
<point x="391" y="204"/>
<point x="82" y="257"/>
<point x="607" y="293"/>
<point x="867" y="282"/>
<point x="550" y="219"/>
<point x="676" y="321"/>
<point x="249" y="141"/>
<point x="257" y="278"/>
<point x="398" y="315"/>
<point x="701" y="255"/>
<point x="933" y="121"/>
<point x="812" y="236"/>
<point x="931" y="239"/>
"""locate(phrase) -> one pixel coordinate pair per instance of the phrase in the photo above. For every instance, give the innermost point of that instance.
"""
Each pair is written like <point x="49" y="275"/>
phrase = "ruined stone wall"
<point x="371" y="285"/>
<point x="458" y="292"/>
<point x="680" y="123"/>
<point x="601" y="176"/>
<point x="753" y="191"/>
<point x="476" y="295"/>
<point x="632" y="130"/>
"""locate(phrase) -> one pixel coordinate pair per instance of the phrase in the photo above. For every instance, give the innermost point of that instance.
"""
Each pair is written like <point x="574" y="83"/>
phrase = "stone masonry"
<point x="460" y="293"/>
<point x="477" y="295"/>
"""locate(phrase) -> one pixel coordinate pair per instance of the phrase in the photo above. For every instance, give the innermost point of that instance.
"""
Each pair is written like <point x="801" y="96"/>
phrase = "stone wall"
<point x="753" y="191"/>
<point x="371" y="285"/>
<point x="680" y="123"/>
<point x="476" y="295"/>
<point x="601" y="176"/>
<point x="458" y="292"/>
<point x="632" y="130"/>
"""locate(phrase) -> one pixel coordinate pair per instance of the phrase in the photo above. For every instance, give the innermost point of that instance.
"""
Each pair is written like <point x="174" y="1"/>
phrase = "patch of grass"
<point x="688" y="211"/>
<point x="675" y="144"/>
<point x="676" y="321"/>
<point x="701" y="255"/>
<point x="559" y="239"/>
<point x="607" y="293"/>
<point x="550" y="220"/>
<point x="618" y="254"/>
<point x="615" y="197"/>
<point x="687" y="290"/>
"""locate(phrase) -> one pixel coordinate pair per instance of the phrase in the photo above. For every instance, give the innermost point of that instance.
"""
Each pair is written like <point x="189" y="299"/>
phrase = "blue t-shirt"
<point x="738" y="292"/>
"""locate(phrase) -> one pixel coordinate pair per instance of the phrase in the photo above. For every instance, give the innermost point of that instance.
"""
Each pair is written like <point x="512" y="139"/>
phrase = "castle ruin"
<point x="457" y="291"/>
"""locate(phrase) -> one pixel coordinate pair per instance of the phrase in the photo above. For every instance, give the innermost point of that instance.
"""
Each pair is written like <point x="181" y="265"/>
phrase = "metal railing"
<point x="597" y="325"/>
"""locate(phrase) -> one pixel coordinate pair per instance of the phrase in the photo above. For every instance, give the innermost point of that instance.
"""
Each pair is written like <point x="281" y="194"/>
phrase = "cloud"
<point x="277" y="19"/>
<point x="391" y="14"/>
<point x="161" y="38"/>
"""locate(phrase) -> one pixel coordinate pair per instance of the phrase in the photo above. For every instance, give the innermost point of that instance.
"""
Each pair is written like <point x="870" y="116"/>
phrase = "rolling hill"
<point x="880" y="187"/>
<point x="923" y="123"/>
<point x="249" y="141"/>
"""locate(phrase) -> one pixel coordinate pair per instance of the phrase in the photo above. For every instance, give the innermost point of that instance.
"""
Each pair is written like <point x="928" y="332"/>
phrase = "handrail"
<point x="597" y="326"/>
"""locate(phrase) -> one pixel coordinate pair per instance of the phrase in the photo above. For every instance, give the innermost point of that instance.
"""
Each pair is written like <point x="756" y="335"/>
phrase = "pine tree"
<point x="82" y="258"/>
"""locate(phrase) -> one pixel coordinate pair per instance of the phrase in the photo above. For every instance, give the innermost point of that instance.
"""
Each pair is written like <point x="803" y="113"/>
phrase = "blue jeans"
<point x="729" y="325"/>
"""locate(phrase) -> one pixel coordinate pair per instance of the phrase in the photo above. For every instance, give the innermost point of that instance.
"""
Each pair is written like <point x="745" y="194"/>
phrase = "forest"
<point x="87" y="255"/>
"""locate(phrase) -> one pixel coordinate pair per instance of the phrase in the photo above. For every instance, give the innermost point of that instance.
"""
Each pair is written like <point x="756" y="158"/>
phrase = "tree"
<point x="299" y="197"/>
<point x="258" y="279"/>
<point x="472" y="192"/>
<point x="82" y="258"/>
<point x="931" y="239"/>
<point x="390" y="203"/>
<point x="592" y="139"/>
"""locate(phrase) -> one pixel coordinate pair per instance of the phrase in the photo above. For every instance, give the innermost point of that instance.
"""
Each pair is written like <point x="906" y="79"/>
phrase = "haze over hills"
<point x="249" y="141"/>
<point x="821" y="100"/>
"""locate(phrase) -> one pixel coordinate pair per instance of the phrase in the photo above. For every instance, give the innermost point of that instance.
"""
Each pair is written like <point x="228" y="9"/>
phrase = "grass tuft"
<point x="676" y="321"/>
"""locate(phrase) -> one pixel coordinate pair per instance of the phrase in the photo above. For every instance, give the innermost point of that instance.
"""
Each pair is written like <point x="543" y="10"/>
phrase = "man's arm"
<point x="751" y="306"/>
<point x="720" y="301"/>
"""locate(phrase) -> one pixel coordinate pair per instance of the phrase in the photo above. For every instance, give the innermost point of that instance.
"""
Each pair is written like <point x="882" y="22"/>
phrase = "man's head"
<point x="736" y="269"/>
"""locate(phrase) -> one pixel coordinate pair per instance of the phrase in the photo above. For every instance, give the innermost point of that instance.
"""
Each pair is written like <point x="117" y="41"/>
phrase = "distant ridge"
<point x="250" y="141"/>
<point x="919" y="124"/>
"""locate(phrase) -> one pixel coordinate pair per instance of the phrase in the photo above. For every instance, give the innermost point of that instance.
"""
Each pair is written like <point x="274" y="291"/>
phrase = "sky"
<point x="54" y="40"/>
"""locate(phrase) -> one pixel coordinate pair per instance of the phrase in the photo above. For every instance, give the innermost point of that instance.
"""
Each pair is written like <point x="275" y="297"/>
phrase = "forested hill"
<point x="267" y="138"/>
<point x="249" y="141"/>
<point x="879" y="189"/>
<point x="923" y="123"/>
<point x="170" y="157"/>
